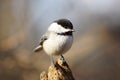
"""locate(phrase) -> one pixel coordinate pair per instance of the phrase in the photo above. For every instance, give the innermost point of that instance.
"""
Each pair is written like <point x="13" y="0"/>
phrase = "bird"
<point x="58" y="38"/>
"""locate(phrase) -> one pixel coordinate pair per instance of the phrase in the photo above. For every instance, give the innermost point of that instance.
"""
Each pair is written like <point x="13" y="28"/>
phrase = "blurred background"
<point x="95" y="54"/>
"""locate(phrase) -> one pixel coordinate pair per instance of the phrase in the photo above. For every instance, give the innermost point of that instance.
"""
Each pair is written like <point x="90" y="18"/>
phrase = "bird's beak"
<point x="70" y="30"/>
<point x="73" y="30"/>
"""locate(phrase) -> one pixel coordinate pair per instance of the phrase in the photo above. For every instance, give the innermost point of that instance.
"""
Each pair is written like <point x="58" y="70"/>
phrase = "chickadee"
<point x="58" y="39"/>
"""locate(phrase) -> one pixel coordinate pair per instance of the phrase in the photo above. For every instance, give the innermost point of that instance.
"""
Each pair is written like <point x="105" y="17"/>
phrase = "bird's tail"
<point x="38" y="48"/>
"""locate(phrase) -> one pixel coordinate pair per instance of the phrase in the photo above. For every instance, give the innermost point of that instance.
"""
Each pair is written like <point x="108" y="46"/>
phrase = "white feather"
<point x="54" y="27"/>
<point x="57" y="44"/>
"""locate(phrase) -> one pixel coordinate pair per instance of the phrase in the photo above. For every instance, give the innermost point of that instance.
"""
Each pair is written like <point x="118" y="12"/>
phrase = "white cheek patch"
<point x="57" y="28"/>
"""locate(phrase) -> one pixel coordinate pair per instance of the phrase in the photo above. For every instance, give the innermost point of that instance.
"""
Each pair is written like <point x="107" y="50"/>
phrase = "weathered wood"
<point x="59" y="71"/>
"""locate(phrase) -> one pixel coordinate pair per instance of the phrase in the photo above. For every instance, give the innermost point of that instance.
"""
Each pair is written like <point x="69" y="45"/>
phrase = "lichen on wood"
<point x="59" y="71"/>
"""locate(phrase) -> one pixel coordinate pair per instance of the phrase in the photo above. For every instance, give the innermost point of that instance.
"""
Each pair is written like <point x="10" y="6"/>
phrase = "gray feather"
<point x="40" y="47"/>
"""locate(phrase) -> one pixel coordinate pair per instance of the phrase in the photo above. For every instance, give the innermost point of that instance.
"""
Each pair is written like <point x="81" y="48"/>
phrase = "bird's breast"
<point x="57" y="45"/>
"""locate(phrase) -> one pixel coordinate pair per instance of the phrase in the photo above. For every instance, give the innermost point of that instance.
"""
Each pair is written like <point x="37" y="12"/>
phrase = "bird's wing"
<point x="43" y="38"/>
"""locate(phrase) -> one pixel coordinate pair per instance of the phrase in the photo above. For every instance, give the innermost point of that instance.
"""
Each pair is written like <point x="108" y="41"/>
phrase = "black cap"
<point x="65" y="23"/>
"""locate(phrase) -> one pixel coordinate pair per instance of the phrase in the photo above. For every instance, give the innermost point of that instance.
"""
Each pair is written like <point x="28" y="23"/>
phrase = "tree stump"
<point x="59" y="71"/>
